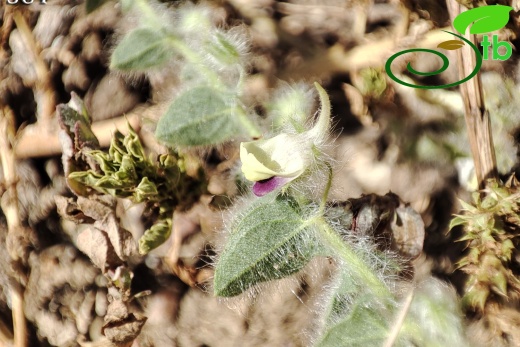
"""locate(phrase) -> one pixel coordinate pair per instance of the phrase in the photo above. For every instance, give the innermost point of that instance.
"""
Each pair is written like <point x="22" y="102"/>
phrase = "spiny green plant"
<point x="491" y="225"/>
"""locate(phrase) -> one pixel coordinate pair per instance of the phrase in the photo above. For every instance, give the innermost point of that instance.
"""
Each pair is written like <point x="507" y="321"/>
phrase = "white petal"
<point x="283" y="155"/>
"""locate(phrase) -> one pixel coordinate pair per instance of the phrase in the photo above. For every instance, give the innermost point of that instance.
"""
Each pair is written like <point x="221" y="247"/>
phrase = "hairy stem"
<point x="325" y="196"/>
<point x="246" y="122"/>
<point x="344" y="251"/>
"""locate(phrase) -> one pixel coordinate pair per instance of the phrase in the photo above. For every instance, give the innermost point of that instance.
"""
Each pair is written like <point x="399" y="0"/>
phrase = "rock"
<point x="75" y="77"/>
<point x="110" y="97"/>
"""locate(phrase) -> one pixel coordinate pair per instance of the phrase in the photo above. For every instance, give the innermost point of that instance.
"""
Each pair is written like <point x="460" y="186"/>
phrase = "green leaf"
<point x="485" y="19"/>
<point x="468" y="207"/>
<point x="270" y="240"/>
<point x="362" y="327"/>
<point x="88" y="178"/>
<point x="155" y="236"/>
<point x="434" y="317"/>
<point x="457" y="220"/>
<point x="198" y="117"/>
<point x="108" y="182"/>
<point x="92" y="5"/>
<point x="145" y="190"/>
<point x="451" y="45"/>
<point x="141" y="49"/>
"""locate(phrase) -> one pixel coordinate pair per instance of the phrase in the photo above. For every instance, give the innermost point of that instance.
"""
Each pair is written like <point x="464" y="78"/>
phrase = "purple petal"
<point x="263" y="187"/>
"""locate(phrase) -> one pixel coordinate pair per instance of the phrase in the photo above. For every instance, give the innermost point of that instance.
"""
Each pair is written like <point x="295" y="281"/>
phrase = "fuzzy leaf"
<point x="434" y="317"/>
<point x="451" y="45"/>
<point x="141" y="49"/>
<point x="485" y="19"/>
<point x="223" y="50"/>
<point x="198" y="117"/>
<point x="362" y="327"/>
<point x="269" y="241"/>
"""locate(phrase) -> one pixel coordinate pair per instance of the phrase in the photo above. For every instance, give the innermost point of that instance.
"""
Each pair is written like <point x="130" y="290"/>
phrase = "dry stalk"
<point x="11" y="212"/>
<point x="6" y="26"/>
<point x="37" y="141"/>
<point x="475" y="113"/>
<point x="44" y="93"/>
<point x="396" y="328"/>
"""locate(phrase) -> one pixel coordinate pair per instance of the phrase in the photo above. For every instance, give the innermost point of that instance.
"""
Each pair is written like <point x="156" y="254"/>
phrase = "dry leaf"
<point x="121" y="326"/>
<point x="120" y="238"/>
<point x="96" y="245"/>
<point x="97" y="207"/>
<point x="125" y="330"/>
<point x="69" y="210"/>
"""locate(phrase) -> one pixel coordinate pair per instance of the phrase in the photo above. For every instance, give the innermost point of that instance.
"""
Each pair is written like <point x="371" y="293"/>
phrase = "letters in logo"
<point x="482" y="20"/>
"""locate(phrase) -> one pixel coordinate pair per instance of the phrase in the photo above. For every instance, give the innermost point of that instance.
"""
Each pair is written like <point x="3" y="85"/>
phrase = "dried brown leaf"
<point x="117" y="311"/>
<point x="120" y="238"/>
<point x="69" y="210"/>
<point x="96" y="245"/>
<point x="97" y="207"/>
<point x="122" y="326"/>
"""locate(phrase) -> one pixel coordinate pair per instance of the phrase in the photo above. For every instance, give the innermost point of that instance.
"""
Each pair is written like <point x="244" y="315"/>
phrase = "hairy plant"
<point x="277" y="232"/>
<point x="287" y="221"/>
<point x="212" y="63"/>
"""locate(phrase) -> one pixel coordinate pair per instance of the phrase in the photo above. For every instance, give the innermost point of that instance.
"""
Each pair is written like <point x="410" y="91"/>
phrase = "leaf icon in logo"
<point x="451" y="45"/>
<point x="485" y="18"/>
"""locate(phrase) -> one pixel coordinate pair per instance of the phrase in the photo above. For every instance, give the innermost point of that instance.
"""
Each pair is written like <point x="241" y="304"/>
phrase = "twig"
<point x="36" y="141"/>
<point x="45" y="98"/>
<point x="392" y="337"/>
<point x="337" y="59"/>
<point x="11" y="212"/>
<point x="7" y="26"/>
<point x="19" y="326"/>
<point x="476" y="116"/>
